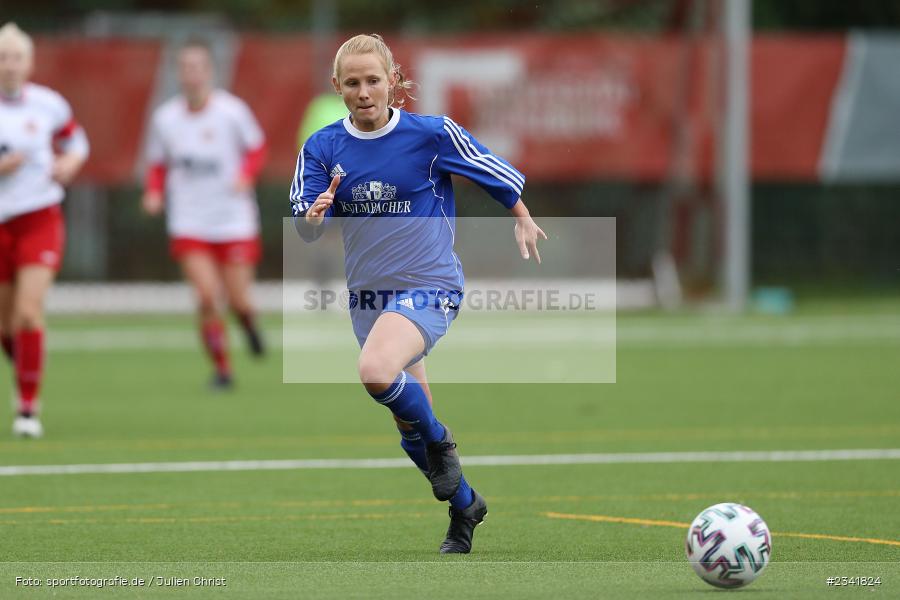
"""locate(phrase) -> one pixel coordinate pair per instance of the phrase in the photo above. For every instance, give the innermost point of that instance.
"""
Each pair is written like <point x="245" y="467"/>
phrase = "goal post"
<point x="733" y="173"/>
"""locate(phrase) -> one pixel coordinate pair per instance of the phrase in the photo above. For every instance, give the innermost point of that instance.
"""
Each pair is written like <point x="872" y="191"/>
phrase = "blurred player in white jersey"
<point x="204" y="153"/>
<point x="42" y="148"/>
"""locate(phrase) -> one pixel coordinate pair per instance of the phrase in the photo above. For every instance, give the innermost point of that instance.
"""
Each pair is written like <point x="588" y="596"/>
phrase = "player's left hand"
<point x="527" y="234"/>
<point x="65" y="167"/>
<point x="153" y="202"/>
<point x="10" y="161"/>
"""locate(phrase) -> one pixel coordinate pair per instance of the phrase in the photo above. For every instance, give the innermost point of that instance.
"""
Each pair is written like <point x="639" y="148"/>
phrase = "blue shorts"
<point x="431" y="311"/>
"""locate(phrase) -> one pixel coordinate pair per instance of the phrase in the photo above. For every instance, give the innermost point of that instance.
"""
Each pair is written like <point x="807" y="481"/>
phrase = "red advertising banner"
<point x="275" y="75"/>
<point x="561" y="108"/>
<point x="109" y="84"/>
<point x="795" y="80"/>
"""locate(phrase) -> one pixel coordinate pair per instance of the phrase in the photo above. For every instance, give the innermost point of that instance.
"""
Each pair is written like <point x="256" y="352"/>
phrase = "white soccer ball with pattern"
<point x="728" y="545"/>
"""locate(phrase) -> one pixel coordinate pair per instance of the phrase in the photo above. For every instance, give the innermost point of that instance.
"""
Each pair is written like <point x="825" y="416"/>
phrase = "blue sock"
<point x="412" y="444"/>
<point x="463" y="497"/>
<point x="406" y="399"/>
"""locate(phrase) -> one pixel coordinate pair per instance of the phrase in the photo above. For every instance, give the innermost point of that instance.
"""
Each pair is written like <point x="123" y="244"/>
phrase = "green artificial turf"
<point x="814" y="381"/>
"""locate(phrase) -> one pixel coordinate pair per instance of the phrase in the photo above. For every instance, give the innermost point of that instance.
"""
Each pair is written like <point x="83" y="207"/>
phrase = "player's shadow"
<point x="737" y="590"/>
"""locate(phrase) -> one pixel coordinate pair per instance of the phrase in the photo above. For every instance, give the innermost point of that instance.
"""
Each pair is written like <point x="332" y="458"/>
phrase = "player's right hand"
<point x="152" y="203"/>
<point x="10" y="162"/>
<point x="316" y="213"/>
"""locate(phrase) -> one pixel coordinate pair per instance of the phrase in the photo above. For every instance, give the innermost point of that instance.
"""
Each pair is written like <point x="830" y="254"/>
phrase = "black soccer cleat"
<point x="444" y="470"/>
<point x="462" y="526"/>
<point x="255" y="342"/>
<point x="221" y="382"/>
<point x="251" y="333"/>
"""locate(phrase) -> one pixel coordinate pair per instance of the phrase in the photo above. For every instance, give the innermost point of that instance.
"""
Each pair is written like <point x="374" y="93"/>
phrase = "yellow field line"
<point x="680" y="525"/>
<point x="88" y="508"/>
<point x="610" y="519"/>
<point x="211" y="505"/>
<point x="362" y="502"/>
<point x="377" y="516"/>
<point x="838" y="538"/>
<point x="222" y="519"/>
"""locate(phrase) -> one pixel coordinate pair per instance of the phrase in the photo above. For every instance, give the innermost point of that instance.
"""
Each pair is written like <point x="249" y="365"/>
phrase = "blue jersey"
<point x="401" y="170"/>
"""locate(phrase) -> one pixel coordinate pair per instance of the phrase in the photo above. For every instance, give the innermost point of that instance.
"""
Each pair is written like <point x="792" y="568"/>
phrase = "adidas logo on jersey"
<point x="407" y="302"/>
<point x="338" y="170"/>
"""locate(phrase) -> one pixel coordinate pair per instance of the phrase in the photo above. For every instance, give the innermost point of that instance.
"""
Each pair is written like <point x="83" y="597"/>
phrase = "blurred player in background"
<point x="386" y="172"/>
<point x="204" y="153"/>
<point x="42" y="148"/>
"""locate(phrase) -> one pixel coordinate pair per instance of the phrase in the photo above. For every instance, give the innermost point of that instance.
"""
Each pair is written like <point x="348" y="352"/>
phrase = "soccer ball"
<point x="728" y="545"/>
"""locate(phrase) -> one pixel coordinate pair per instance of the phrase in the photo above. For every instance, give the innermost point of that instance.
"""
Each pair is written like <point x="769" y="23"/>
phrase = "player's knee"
<point x="27" y="317"/>
<point x="206" y="305"/>
<point x="374" y="374"/>
<point x="240" y="306"/>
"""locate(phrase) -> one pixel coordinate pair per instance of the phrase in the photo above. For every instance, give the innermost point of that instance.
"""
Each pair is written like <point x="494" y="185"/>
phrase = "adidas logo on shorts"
<point x="407" y="302"/>
<point x="49" y="258"/>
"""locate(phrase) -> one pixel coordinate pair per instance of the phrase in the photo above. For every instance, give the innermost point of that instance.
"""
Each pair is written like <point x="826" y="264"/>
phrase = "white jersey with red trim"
<point x="30" y="124"/>
<point x="202" y="153"/>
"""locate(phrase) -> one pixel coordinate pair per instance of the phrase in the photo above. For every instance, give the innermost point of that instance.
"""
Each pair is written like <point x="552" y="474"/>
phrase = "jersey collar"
<point x="371" y="135"/>
<point x="202" y="109"/>
<point x="16" y="98"/>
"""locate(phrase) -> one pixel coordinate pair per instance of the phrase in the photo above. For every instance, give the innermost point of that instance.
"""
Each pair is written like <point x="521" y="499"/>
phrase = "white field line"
<point x="603" y="334"/>
<point x="274" y="295"/>
<point x="471" y="461"/>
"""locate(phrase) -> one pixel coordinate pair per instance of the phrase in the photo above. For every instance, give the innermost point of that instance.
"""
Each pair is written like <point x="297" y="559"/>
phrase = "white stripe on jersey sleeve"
<point x="297" y="192"/>
<point x="515" y="187"/>
<point x="462" y="153"/>
<point x="516" y="176"/>
<point x="489" y="161"/>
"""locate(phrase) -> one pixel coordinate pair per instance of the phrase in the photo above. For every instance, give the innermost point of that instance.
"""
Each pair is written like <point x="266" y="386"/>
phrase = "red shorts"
<point x="235" y="252"/>
<point x="35" y="238"/>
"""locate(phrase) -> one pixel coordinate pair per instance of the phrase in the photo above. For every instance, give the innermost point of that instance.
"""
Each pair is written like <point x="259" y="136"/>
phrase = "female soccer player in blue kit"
<point x="386" y="173"/>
